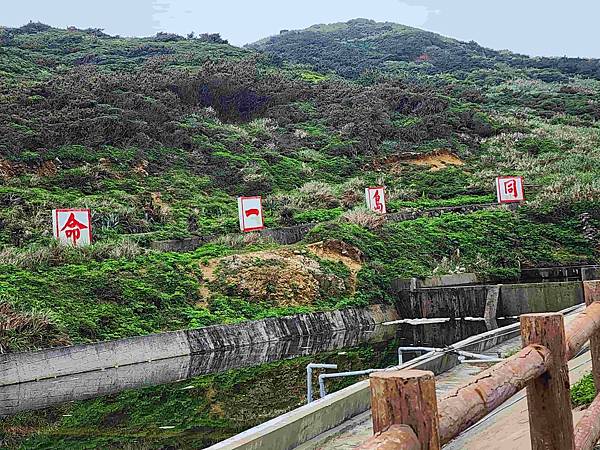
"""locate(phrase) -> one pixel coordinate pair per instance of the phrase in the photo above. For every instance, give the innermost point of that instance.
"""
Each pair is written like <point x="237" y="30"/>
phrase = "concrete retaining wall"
<point x="470" y="301"/>
<point x="517" y="299"/>
<point x="30" y="396"/>
<point x="455" y="302"/>
<point x="283" y="236"/>
<point x="536" y="275"/>
<point x="24" y="367"/>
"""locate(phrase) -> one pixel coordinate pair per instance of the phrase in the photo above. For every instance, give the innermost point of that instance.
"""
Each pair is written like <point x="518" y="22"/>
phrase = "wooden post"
<point x="406" y="397"/>
<point x="591" y="292"/>
<point x="548" y="396"/>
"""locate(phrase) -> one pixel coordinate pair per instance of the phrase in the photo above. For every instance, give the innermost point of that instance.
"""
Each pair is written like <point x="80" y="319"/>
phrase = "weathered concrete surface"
<point x="24" y="367"/>
<point x="554" y="274"/>
<point x="536" y="275"/>
<point x="274" y="329"/>
<point x="491" y="307"/>
<point x="454" y="302"/>
<point x="34" y="395"/>
<point x="471" y="301"/>
<point x="411" y="284"/>
<point x="517" y="299"/>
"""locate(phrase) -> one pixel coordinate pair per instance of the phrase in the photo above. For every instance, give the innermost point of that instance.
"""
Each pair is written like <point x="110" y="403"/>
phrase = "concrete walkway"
<point x="506" y="428"/>
<point x="354" y="432"/>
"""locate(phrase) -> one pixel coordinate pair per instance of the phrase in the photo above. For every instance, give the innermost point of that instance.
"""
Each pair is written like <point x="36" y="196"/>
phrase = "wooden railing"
<point x="407" y="415"/>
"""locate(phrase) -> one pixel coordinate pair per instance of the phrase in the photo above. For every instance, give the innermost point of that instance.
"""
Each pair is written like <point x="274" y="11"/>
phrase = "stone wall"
<point x="209" y="341"/>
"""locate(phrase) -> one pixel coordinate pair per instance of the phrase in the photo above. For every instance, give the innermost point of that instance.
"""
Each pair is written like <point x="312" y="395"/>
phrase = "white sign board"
<point x="510" y="189"/>
<point x="251" y="213"/>
<point x="72" y="226"/>
<point x="376" y="199"/>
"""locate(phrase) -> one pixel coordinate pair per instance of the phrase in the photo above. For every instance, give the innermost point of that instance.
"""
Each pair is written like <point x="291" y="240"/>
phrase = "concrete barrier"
<point x="57" y="362"/>
<point x="517" y="299"/>
<point x="293" y="429"/>
<point x="534" y="275"/>
<point x="471" y="301"/>
<point x="454" y="302"/>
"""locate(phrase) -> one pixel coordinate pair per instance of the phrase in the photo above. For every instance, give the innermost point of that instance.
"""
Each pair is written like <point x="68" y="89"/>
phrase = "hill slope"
<point x="360" y="45"/>
<point x="158" y="136"/>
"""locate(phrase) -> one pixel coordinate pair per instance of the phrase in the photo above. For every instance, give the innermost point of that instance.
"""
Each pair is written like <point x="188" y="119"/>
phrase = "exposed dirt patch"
<point x="7" y="169"/>
<point x="437" y="160"/>
<point x="47" y="169"/>
<point x="283" y="277"/>
<point x="339" y="251"/>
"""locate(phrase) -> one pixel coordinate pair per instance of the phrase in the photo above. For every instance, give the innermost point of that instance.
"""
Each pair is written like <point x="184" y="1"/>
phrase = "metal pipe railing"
<point x="309" y="376"/>
<point x="356" y="373"/>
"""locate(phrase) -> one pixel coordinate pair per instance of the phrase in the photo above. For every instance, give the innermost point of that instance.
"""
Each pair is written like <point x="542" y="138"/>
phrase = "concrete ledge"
<point x="517" y="299"/>
<point x="56" y="362"/>
<point x="471" y="301"/>
<point x="410" y="284"/>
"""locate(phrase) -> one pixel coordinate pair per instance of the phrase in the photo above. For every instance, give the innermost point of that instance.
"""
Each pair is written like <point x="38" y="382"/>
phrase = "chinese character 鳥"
<point x="376" y="199"/>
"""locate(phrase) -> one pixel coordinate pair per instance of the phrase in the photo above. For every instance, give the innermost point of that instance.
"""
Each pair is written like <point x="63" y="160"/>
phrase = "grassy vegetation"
<point x="584" y="391"/>
<point x="159" y="135"/>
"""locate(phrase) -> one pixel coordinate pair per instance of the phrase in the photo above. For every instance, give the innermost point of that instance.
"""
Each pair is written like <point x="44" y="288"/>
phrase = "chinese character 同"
<point x="510" y="188"/>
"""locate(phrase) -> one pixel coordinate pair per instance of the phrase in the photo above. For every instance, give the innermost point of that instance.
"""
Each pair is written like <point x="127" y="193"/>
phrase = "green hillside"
<point x="160" y="135"/>
<point x="361" y="45"/>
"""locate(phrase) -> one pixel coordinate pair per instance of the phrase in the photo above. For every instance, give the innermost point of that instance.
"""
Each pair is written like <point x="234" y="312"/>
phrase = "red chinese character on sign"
<point x="73" y="228"/>
<point x="375" y="197"/>
<point x="510" y="187"/>
<point x="378" y="205"/>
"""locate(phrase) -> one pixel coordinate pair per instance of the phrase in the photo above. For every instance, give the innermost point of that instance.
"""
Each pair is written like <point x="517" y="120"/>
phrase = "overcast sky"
<point x="535" y="27"/>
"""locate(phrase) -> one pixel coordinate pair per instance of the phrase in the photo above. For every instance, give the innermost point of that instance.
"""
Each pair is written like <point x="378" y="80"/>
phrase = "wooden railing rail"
<point x="404" y="401"/>
<point x="468" y="404"/>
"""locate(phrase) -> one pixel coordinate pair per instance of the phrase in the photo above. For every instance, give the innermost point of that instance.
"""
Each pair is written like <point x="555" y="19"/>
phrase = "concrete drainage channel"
<point x="18" y="368"/>
<point x="446" y="296"/>
<point x="304" y="424"/>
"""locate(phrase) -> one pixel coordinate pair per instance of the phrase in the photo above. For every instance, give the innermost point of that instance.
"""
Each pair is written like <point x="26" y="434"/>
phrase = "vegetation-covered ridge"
<point x="159" y="135"/>
<point x="359" y="45"/>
